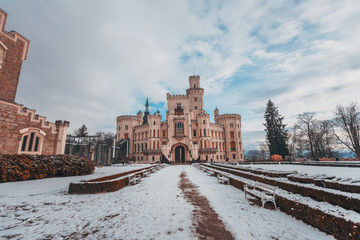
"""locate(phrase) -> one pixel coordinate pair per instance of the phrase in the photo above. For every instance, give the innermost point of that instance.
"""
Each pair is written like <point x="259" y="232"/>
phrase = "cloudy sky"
<point x="90" y="61"/>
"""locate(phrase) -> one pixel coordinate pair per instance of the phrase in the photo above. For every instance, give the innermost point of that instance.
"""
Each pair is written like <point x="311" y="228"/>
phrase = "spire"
<point x="147" y="106"/>
<point x="147" y="112"/>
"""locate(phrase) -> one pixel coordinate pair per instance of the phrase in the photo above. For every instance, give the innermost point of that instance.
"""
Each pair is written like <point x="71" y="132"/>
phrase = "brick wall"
<point x="13" y="118"/>
<point x="13" y="50"/>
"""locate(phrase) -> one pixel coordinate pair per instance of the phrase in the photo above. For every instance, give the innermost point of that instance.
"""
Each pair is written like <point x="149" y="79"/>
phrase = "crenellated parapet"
<point x="176" y="96"/>
<point x="228" y="116"/>
<point x="32" y="116"/>
<point x="13" y="35"/>
<point x="128" y="118"/>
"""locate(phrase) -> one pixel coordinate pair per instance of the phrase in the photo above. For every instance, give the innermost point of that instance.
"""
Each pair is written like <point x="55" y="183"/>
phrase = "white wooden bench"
<point x="265" y="192"/>
<point x="209" y="172"/>
<point x="223" y="178"/>
<point x="146" y="173"/>
<point x="134" y="179"/>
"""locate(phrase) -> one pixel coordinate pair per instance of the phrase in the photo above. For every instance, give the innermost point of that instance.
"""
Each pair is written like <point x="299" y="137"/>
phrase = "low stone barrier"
<point x="105" y="184"/>
<point x="340" y="227"/>
<point x="352" y="188"/>
<point x="337" y="198"/>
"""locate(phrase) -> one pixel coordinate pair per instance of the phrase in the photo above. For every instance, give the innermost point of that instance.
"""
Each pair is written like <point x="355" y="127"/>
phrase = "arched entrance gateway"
<point x="179" y="153"/>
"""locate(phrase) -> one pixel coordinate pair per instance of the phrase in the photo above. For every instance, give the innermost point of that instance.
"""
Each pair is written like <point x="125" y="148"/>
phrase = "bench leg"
<point x="275" y="205"/>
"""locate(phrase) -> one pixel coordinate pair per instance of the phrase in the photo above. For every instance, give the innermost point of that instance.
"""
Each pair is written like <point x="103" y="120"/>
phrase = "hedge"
<point x="25" y="167"/>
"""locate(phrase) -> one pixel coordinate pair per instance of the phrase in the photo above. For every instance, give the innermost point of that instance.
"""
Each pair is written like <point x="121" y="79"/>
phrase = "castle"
<point x="21" y="129"/>
<point x="186" y="135"/>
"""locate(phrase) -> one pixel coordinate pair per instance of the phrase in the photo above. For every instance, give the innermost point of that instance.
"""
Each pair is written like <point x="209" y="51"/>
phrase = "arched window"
<point x="179" y="128"/>
<point x="31" y="141"/>
<point x="233" y="147"/>
<point x="204" y="132"/>
<point x="135" y="148"/>
<point x="154" y="135"/>
<point x="153" y="145"/>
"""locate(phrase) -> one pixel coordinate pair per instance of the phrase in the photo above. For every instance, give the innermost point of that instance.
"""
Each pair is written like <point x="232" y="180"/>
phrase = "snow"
<point x="343" y="172"/>
<point x="58" y="184"/>
<point x="153" y="209"/>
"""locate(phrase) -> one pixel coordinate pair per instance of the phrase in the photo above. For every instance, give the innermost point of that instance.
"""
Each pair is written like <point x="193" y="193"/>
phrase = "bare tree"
<point x="347" y="121"/>
<point x="253" y="155"/>
<point x="317" y="136"/>
<point x="264" y="150"/>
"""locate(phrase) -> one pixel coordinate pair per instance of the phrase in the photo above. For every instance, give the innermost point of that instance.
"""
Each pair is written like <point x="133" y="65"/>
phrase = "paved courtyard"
<point x="177" y="202"/>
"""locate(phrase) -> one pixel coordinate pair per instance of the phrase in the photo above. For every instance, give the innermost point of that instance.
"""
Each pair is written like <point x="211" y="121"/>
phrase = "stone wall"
<point x="13" y="50"/>
<point x="14" y="119"/>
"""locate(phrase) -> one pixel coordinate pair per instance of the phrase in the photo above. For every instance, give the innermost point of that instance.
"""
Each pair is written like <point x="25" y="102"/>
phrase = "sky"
<point x="90" y="61"/>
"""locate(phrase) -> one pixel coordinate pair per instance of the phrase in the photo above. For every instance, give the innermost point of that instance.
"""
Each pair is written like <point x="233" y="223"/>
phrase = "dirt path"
<point x="207" y="222"/>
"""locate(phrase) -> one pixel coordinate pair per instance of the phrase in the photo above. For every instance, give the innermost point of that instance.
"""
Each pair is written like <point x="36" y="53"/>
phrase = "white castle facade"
<point x="187" y="133"/>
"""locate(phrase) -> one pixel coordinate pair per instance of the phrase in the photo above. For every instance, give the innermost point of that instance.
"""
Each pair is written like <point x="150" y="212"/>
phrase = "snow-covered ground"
<point x="343" y="172"/>
<point x="153" y="209"/>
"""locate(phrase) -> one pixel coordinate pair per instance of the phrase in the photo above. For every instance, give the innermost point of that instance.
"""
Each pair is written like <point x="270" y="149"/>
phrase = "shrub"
<point x="24" y="167"/>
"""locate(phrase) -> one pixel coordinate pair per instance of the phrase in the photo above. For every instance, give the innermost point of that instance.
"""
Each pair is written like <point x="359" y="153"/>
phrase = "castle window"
<point x="204" y="121"/>
<point x="239" y="134"/>
<point x="154" y="122"/>
<point x="196" y="107"/>
<point x="194" y="133"/>
<point x="204" y="132"/>
<point x="164" y="133"/>
<point x="232" y="135"/>
<point x="31" y="141"/>
<point x="231" y="125"/>
<point x="126" y="136"/>
<point x="126" y="127"/>
<point x="179" y="128"/>
<point x="234" y="156"/>
<point x="194" y="85"/>
<point x="195" y="99"/>
<point x="233" y="147"/>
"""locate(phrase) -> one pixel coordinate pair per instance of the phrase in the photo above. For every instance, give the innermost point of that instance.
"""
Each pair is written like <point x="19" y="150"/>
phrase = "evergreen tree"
<point x="276" y="134"/>
<point x="81" y="132"/>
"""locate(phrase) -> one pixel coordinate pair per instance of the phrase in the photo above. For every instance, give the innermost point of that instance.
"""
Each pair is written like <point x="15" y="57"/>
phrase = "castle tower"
<point x="13" y="51"/>
<point x="216" y="113"/>
<point x="196" y="94"/>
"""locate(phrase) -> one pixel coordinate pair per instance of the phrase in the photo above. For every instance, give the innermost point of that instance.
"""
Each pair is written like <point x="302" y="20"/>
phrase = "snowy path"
<point x="154" y="209"/>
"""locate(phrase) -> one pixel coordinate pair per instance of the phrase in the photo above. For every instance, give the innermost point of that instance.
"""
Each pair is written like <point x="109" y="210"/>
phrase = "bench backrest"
<point x="265" y="187"/>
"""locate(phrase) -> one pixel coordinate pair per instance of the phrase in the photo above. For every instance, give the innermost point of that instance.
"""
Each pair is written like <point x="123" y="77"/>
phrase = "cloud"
<point x="91" y="61"/>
